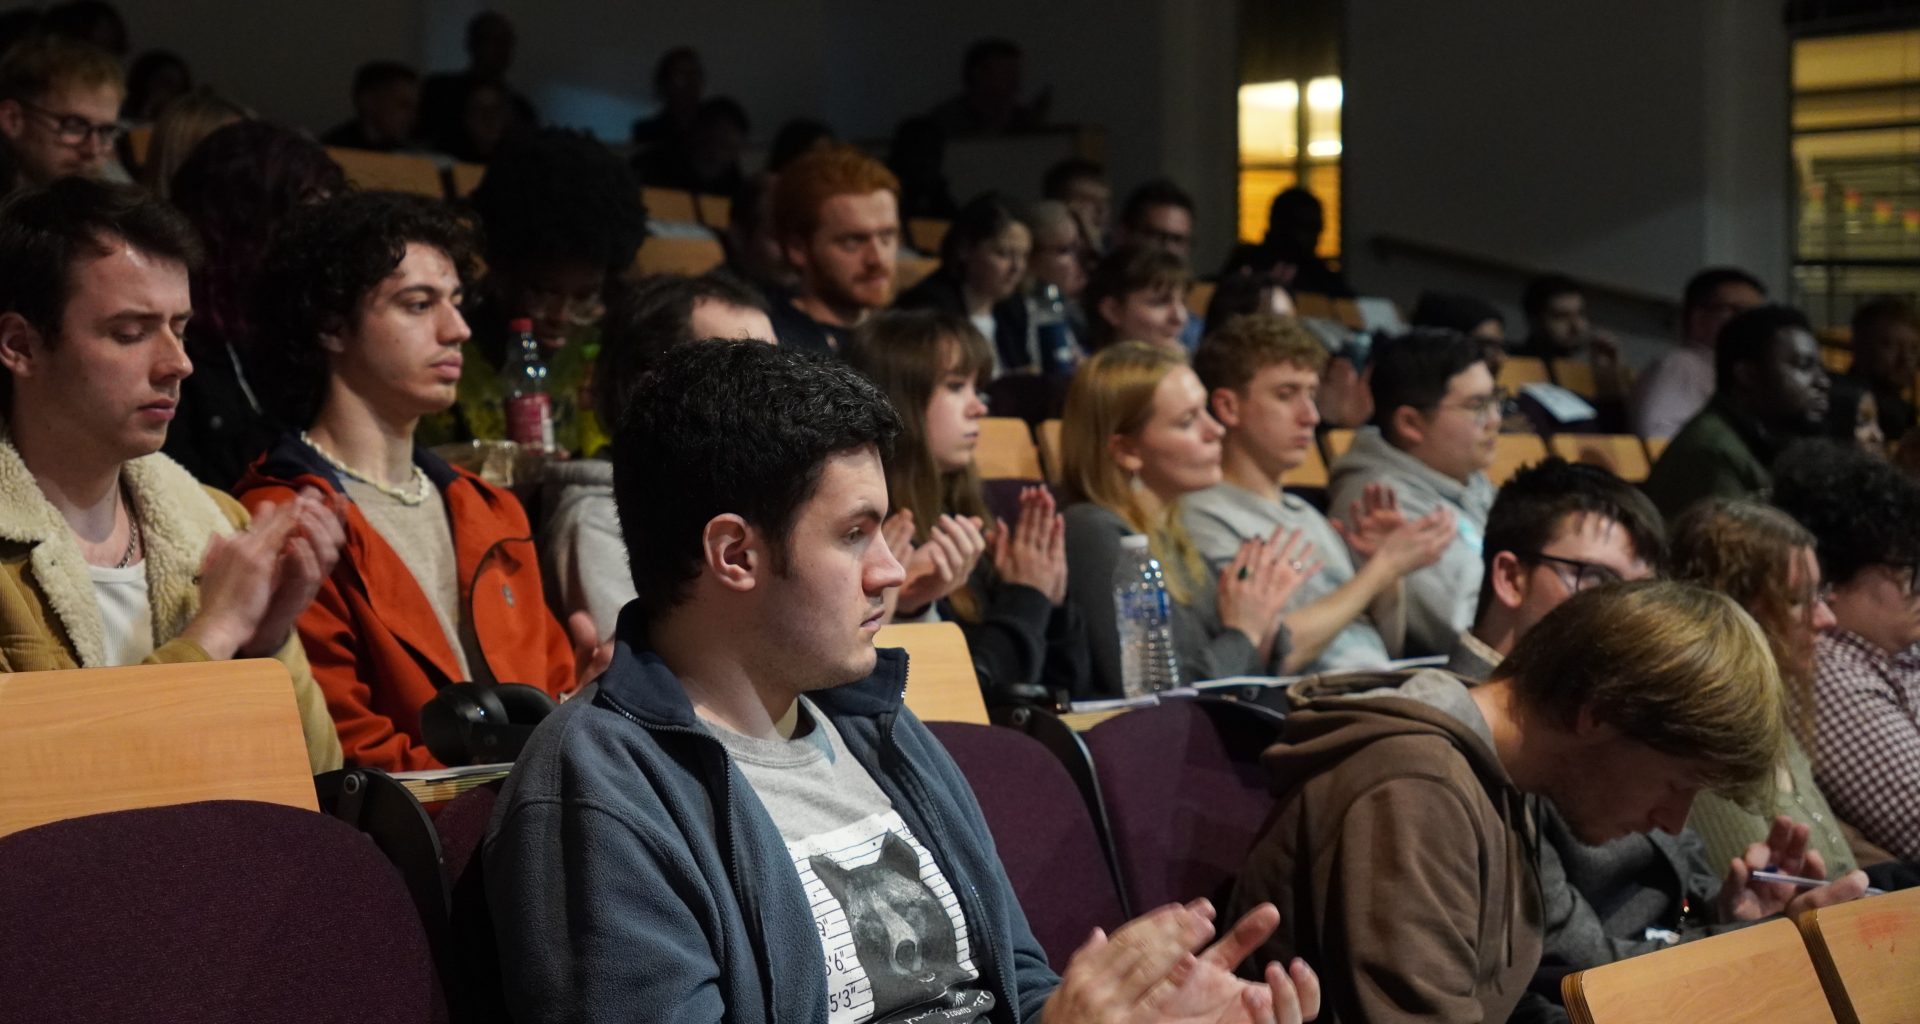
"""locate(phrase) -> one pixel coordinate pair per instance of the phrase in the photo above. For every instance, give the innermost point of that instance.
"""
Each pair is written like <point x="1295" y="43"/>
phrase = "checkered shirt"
<point x="1867" y="739"/>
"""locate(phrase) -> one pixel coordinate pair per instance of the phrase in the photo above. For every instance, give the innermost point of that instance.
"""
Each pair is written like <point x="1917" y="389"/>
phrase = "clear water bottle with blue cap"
<point x="1144" y="614"/>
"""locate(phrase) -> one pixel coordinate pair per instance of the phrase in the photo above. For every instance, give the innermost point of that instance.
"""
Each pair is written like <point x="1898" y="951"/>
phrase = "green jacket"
<point x="1715" y="455"/>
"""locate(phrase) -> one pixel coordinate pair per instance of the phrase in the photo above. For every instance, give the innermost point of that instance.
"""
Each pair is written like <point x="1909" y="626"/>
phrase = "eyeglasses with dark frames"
<point x="1576" y="575"/>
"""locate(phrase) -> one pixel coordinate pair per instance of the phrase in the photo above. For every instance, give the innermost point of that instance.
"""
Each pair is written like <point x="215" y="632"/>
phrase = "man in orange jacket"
<point x="438" y="582"/>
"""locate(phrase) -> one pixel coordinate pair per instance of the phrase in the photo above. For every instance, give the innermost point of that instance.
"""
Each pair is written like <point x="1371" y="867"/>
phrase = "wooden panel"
<point x="1047" y="439"/>
<point x="1511" y="452"/>
<point x="139" y="141"/>
<point x="1518" y="370"/>
<point x="1320" y="307"/>
<point x="1199" y="296"/>
<point x="941" y="685"/>
<point x="88" y="741"/>
<point x="715" y="212"/>
<point x="669" y="255"/>
<point x="1755" y="974"/>
<point x="926" y="233"/>
<point x="669" y="204"/>
<point x="1576" y="375"/>
<point x="911" y="270"/>
<point x="1867" y="954"/>
<point x="1311" y="473"/>
<point x="466" y="178"/>
<point x="1006" y="450"/>
<point x="1336" y="442"/>
<point x="1656" y="445"/>
<point x="395" y="172"/>
<point x="1621" y="453"/>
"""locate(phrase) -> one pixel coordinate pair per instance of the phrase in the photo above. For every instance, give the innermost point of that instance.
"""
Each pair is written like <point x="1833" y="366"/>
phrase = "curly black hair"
<point x="321" y="265"/>
<point x="731" y="426"/>
<point x="556" y="195"/>
<point x="1858" y="506"/>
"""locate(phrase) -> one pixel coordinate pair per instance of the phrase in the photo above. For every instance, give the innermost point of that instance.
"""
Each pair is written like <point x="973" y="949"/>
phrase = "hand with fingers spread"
<point x="1370" y="520"/>
<point x="1785" y="851"/>
<point x="1033" y="552"/>
<point x="1418" y="543"/>
<point x="1255" y="585"/>
<point x="1148" y="971"/>
<point x="308" y="553"/>
<point x="943" y="562"/>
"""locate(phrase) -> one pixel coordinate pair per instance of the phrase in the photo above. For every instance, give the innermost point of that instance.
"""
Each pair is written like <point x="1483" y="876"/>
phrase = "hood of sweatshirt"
<point x="1371" y="455"/>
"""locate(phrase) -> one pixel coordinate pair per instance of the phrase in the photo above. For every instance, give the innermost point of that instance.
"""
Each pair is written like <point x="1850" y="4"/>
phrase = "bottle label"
<point x="530" y="420"/>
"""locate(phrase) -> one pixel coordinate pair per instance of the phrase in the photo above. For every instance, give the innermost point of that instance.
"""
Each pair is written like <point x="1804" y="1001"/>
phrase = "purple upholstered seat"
<point x="208" y="912"/>
<point x="1185" y="794"/>
<point x="474" y="987"/>
<point x="1043" y="832"/>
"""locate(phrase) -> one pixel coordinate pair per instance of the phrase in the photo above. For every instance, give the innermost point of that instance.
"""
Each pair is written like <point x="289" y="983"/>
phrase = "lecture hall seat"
<point x="1761" y="973"/>
<point x="1006" y="450"/>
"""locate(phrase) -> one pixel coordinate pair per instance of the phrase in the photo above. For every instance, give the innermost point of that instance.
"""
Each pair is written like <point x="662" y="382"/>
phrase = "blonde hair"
<point x="181" y="125"/>
<point x="1673" y="666"/>
<point x="1112" y="395"/>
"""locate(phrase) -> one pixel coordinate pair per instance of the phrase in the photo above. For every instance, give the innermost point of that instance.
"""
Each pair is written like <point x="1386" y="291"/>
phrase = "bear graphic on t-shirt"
<point x="901" y="933"/>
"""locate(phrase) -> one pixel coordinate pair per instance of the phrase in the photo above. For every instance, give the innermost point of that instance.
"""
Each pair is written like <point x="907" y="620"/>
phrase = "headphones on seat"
<point x="482" y="723"/>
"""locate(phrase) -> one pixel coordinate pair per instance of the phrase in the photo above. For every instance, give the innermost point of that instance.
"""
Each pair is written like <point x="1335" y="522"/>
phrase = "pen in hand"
<point x="1767" y="874"/>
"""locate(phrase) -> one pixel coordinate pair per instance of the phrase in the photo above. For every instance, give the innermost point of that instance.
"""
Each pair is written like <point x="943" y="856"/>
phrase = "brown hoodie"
<point x="1400" y="853"/>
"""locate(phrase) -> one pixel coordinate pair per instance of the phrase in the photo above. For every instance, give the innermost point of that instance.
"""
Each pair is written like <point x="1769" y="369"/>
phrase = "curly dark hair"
<point x="1858" y="506"/>
<point x="237" y="186"/>
<point x="321" y="266"/>
<point x="731" y="426"/>
<point x="555" y="195"/>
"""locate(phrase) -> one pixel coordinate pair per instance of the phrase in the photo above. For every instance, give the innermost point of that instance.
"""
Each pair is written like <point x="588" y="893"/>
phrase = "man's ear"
<point x="20" y="345"/>
<point x="1509" y="579"/>
<point x="13" y="118"/>
<point x="1225" y="403"/>
<point x="1110" y="310"/>
<point x="794" y="251"/>
<point x="1409" y="425"/>
<point x="731" y="551"/>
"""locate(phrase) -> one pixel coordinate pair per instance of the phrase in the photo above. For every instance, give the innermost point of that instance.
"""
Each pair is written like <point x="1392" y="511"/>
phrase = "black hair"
<point x="1748" y="338"/>
<point x="378" y="74"/>
<point x="1453" y="311"/>
<point x="982" y="219"/>
<point x="1701" y="286"/>
<point x="144" y="69"/>
<point x="1158" y="192"/>
<point x="731" y="427"/>
<point x="1542" y="290"/>
<point x="723" y="108"/>
<point x="484" y="22"/>
<point x="647" y="319"/>
<point x="320" y="267"/>
<point x="1061" y="176"/>
<point x="794" y="138"/>
<point x="1532" y="505"/>
<point x="1414" y="369"/>
<point x="1859" y="507"/>
<point x="1886" y="309"/>
<point x="664" y="66"/>
<point x="83" y="19"/>
<point x="984" y="50"/>
<point x="559" y="195"/>
<point x="47" y="229"/>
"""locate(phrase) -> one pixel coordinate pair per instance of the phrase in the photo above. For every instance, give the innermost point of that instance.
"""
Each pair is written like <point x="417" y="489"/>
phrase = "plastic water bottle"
<point x="1053" y="338"/>
<point x="1145" y="616"/>
<point x="529" y="405"/>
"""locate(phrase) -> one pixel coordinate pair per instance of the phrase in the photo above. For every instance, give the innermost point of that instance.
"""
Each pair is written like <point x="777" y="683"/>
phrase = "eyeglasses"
<point x="1484" y="407"/>
<point x="1576" y="575"/>
<point x="74" y="130"/>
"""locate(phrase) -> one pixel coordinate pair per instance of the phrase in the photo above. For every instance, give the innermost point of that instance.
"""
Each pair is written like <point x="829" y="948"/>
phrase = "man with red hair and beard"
<point x="836" y="213"/>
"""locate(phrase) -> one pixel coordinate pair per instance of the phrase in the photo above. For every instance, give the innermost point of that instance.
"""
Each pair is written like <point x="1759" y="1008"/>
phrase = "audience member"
<point x="1137" y="438"/>
<point x="1290" y="252"/>
<point x="1402" y="849"/>
<point x="237" y="187"/>
<point x="182" y="126"/>
<point x="983" y="260"/>
<point x="990" y="101"/>
<point x="796" y="139"/>
<point x="486" y="120"/>
<point x="1082" y="185"/>
<point x="1555" y="529"/>
<point x="836" y="213"/>
<point x="1158" y="214"/>
<point x="1028" y="642"/>
<point x="1853" y="415"/>
<point x="361" y="294"/>
<point x="751" y="244"/>
<point x="679" y="84"/>
<point x="1769" y="389"/>
<point x="153" y="80"/>
<point x="1677" y="387"/>
<point x="1057" y="245"/>
<point x="386" y="105"/>
<point x="1244" y="294"/>
<point x="93" y="22"/>
<point x="562" y="219"/>
<point x="707" y="159"/>
<point x="1886" y="356"/>
<point x="444" y="97"/>
<point x="583" y="559"/>
<point x="112" y="554"/>
<point x="1436" y="413"/>
<point x="1262" y="374"/>
<point x="748" y="753"/>
<point x="1452" y="311"/>
<point x="917" y="156"/>
<point x="1137" y="293"/>
<point x="59" y="109"/>
<point x="1866" y="702"/>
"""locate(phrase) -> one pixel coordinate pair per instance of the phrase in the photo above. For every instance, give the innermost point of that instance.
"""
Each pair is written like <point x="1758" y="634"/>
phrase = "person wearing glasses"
<point x="1436" y="414"/>
<point x="1557" y="528"/>
<point x="60" y="109"/>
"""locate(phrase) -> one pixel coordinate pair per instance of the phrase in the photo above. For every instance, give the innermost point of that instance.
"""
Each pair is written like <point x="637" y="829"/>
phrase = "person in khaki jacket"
<point x="110" y="553"/>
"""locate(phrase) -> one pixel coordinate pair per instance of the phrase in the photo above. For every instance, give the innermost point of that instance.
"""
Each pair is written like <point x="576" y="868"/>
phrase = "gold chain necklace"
<point x="420" y="482"/>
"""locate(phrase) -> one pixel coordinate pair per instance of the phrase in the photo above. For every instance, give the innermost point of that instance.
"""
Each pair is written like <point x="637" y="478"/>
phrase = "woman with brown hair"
<point x="1760" y="557"/>
<point x="1028" y="642"/>
<point x="1137" y="438"/>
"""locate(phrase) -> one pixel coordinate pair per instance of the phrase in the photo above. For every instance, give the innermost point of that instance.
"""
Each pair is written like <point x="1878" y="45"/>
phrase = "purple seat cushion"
<point x="474" y="991"/>
<point x="1042" y="830"/>
<point x="208" y="912"/>
<point x="1185" y="794"/>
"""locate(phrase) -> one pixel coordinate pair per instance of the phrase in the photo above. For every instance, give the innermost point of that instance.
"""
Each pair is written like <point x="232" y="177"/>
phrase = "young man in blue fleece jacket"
<point x="740" y="821"/>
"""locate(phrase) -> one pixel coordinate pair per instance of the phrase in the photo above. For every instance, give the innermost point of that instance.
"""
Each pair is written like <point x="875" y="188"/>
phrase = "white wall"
<point x="1623" y="141"/>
